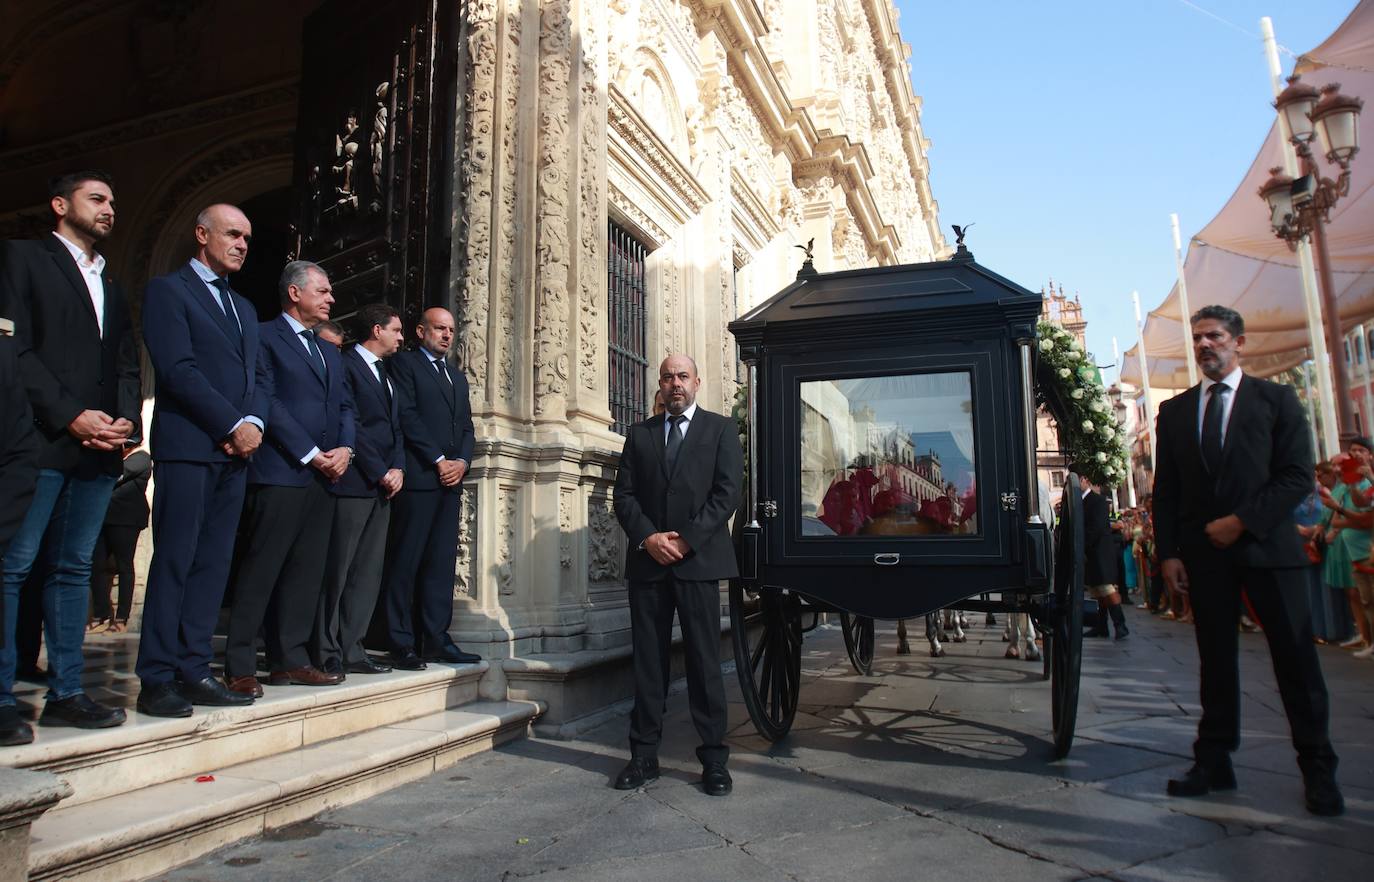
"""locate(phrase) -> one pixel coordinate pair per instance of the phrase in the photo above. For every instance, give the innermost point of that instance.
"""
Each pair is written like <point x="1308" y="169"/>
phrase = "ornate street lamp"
<point x="1301" y="207"/>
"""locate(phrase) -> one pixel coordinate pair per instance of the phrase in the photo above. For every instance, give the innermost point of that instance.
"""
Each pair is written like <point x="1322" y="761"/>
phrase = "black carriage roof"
<point x="958" y="292"/>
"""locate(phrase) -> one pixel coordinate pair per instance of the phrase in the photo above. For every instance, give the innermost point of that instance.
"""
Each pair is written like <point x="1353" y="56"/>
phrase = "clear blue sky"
<point x="1068" y="130"/>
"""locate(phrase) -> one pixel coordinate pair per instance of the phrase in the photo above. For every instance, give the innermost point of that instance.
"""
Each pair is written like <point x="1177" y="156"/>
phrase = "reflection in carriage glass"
<point x="888" y="456"/>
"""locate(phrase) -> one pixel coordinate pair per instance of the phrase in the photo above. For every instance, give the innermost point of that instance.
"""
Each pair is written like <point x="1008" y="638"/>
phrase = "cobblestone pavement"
<point x="927" y="769"/>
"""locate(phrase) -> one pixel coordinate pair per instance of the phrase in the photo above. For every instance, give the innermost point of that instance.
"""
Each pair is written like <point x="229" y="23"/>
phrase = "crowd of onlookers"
<point x="1335" y="521"/>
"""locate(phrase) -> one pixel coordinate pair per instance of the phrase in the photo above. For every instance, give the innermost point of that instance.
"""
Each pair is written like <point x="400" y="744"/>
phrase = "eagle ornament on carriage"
<point x="891" y="456"/>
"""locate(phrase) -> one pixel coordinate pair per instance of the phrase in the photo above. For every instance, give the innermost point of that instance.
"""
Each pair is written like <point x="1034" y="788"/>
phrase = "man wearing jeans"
<point x="79" y="365"/>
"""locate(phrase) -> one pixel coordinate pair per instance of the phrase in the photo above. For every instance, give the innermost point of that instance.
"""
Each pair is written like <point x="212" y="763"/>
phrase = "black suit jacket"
<point x="1099" y="567"/>
<point x="67" y="365"/>
<point x="378" y="444"/>
<point x="129" y="502"/>
<point x="18" y="448"/>
<point x="696" y="500"/>
<point x="1266" y="470"/>
<point x="434" y="420"/>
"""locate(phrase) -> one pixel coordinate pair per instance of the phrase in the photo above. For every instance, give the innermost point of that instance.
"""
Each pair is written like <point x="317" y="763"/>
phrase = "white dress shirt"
<point x="682" y="428"/>
<point x="372" y="360"/>
<point x="92" y="271"/>
<point x="434" y="362"/>
<point x="208" y="276"/>
<point x="1227" y="403"/>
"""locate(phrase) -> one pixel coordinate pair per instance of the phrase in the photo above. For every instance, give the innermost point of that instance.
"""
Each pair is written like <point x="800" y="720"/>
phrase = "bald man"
<point x="677" y="487"/>
<point x="208" y="419"/>
<point x="436" y="421"/>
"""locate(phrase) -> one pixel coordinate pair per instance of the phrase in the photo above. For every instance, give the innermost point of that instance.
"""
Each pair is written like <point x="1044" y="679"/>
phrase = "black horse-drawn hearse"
<point x="891" y="472"/>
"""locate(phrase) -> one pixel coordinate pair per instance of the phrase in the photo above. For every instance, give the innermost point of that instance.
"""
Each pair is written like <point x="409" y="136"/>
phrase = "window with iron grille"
<point x="629" y="368"/>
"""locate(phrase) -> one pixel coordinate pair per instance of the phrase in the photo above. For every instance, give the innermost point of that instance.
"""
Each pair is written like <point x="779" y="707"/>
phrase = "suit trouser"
<point x="1279" y="597"/>
<point x="421" y="555"/>
<point x="121" y="543"/>
<point x="352" y="579"/>
<point x="196" y="508"/>
<point x="281" y="572"/>
<point x="651" y="627"/>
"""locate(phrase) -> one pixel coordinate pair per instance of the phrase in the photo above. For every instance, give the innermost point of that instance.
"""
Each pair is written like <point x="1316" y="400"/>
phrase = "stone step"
<point x="151" y="750"/>
<point x="146" y="831"/>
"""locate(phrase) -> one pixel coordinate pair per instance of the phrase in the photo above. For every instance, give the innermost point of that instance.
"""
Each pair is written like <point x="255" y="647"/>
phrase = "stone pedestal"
<point x="24" y="796"/>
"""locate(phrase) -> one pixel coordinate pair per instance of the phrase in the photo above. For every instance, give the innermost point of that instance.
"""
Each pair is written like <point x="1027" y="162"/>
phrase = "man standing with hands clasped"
<point x="678" y="484"/>
<point x="1234" y="462"/>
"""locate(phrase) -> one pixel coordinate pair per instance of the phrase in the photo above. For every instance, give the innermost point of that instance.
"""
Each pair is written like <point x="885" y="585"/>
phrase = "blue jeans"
<point x="63" y="522"/>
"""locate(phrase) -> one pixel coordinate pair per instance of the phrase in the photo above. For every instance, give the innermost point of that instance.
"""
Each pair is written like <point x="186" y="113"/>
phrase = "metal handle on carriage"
<point x="1028" y="429"/>
<point x="887" y="559"/>
<point x="753" y="392"/>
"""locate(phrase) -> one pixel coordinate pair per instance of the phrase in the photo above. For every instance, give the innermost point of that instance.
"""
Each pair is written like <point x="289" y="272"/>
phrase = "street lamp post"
<point x="1301" y="208"/>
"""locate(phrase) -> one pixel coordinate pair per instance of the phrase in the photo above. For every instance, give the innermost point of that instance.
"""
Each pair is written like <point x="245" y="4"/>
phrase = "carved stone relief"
<point x="591" y="221"/>
<point x="565" y="528"/>
<point x="551" y="363"/>
<point x="475" y="175"/>
<point x="605" y="547"/>
<point x="507" y="265"/>
<point x="505" y="539"/>
<point x="464" y="582"/>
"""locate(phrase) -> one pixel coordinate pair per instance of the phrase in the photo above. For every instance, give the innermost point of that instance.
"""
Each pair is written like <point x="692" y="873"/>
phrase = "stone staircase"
<point x="155" y="793"/>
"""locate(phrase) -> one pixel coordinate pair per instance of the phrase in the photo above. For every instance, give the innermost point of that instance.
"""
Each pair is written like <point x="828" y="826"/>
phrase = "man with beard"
<point x="79" y="365"/>
<point x="1234" y="462"/>
<point x="436" y="420"/>
<point x="202" y="338"/>
<point x="678" y="484"/>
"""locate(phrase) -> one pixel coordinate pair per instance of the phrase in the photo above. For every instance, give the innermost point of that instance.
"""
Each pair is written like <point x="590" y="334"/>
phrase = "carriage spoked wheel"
<point x="1066" y="621"/>
<point x="767" y="633"/>
<point x="858" y="642"/>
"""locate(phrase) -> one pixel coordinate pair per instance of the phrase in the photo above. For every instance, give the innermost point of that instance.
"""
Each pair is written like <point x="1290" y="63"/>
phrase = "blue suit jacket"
<point x="434" y="421"/>
<point x="380" y="446"/>
<point x="205" y="383"/>
<point x="304" y="412"/>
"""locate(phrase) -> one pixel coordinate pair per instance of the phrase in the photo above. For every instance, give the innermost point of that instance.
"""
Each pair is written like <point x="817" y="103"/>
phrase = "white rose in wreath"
<point x="1089" y="427"/>
<point x="1046" y="345"/>
<point x="1074" y="356"/>
<point x="1065" y="373"/>
<point x="1076" y="395"/>
<point x="1101" y="457"/>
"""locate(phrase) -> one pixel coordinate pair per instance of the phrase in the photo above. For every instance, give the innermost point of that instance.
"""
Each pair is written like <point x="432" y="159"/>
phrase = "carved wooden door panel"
<point x="373" y="147"/>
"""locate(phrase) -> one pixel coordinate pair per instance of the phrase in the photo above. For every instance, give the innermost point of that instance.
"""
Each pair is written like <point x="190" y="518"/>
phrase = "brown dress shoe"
<point x="244" y="685"/>
<point x="306" y="676"/>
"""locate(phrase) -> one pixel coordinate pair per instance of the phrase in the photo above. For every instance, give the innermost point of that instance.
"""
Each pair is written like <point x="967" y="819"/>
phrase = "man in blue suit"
<point x="362" y="505"/>
<point x="208" y="419"/>
<point x="289" y="511"/>
<point x="436" y="420"/>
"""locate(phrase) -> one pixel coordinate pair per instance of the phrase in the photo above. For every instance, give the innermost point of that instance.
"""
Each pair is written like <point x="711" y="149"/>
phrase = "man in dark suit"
<point x="1234" y="462"/>
<point x="436" y="420"/>
<point x="126" y="517"/>
<point x="19" y="445"/>
<point x="678" y="484"/>
<point x="79" y="364"/>
<point x="208" y="418"/>
<point x="362" y="505"/>
<point x="1100" y="564"/>
<point x="289" y="512"/>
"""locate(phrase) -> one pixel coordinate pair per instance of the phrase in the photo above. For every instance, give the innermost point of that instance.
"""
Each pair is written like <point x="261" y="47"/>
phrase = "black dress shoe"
<point x="454" y="656"/>
<point x="80" y="711"/>
<point x="31" y="674"/>
<point x="1122" y="633"/>
<point x="1322" y="795"/>
<point x="1201" y="780"/>
<point x="407" y="660"/>
<point x="636" y="773"/>
<point x="715" y="780"/>
<point x="213" y="693"/>
<point x="333" y="666"/>
<point x="13" y="730"/>
<point x="368" y="665"/>
<point x="162" y="700"/>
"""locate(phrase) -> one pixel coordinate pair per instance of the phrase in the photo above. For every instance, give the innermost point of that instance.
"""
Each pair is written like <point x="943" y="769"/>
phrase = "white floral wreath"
<point x="1090" y="435"/>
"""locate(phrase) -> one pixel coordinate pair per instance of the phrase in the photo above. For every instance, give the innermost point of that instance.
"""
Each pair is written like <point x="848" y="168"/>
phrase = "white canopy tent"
<point x="1237" y="261"/>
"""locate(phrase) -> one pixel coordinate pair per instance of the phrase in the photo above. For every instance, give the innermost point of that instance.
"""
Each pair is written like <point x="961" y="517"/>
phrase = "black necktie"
<point x="443" y="372"/>
<point x="226" y="309"/>
<point x="386" y="386"/>
<point x="674" y="440"/>
<point x="318" y="361"/>
<point x="1211" y="426"/>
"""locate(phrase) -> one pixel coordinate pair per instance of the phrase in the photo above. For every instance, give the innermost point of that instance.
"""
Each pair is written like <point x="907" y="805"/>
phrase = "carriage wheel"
<point x="767" y="634"/>
<point x="1066" y="621"/>
<point x="858" y="642"/>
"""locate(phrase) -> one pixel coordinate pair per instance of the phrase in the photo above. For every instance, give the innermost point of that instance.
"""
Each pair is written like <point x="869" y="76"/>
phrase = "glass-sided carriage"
<point x="891" y="472"/>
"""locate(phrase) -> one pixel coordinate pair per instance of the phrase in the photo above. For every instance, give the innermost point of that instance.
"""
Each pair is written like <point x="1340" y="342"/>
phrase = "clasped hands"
<point x="391" y="482"/>
<point x="666" y="548"/>
<point x="332" y="463"/>
<point x="243" y="441"/>
<point x="451" y="471"/>
<point x="97" y="430"/>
